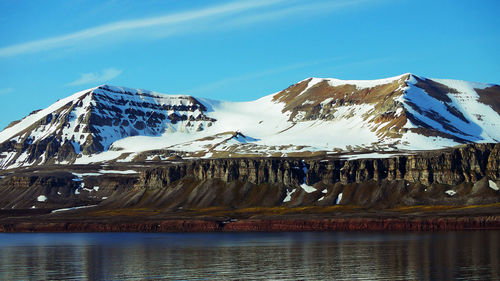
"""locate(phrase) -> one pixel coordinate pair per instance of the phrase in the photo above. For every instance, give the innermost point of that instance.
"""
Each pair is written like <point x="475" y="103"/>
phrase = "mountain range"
<point x="317" y="116"/>
<point x="401" y="153"/>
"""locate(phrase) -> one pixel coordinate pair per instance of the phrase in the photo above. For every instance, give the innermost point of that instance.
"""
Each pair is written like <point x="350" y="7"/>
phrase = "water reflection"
<point x="340" y="256"/>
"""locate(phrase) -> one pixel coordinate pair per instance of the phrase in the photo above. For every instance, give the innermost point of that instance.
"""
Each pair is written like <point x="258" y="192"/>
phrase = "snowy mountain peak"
<point x="315" y="115"/>
<point x="89" y="121"/>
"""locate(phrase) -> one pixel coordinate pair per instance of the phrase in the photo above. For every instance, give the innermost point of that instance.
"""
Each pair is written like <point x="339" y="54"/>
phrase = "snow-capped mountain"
<point x="313" y="116"/>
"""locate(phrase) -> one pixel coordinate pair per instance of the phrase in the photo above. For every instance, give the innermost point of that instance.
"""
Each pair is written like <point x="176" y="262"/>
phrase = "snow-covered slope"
<point x="316" y="115"/>
<point x="88" y="122"/>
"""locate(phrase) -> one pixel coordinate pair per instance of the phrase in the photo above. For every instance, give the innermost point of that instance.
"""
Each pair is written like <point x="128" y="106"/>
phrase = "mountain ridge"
<point x="315" y="115"/>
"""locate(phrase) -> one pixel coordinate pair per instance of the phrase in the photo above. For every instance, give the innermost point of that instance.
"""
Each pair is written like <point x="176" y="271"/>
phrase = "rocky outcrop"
<point x="59" y="189"/>
<point x="466" y="175"/>
<point x="255" y="171"/>
<point x="459" y="176"/>
<point x="419" y="192"/>
<point x="468" y="163"/>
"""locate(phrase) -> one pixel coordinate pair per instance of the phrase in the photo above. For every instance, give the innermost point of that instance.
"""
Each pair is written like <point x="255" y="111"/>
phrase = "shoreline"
<point x="422" y="224"/>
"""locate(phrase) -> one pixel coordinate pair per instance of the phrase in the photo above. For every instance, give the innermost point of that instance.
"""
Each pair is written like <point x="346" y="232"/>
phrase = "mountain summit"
<point x="314" y="116"/>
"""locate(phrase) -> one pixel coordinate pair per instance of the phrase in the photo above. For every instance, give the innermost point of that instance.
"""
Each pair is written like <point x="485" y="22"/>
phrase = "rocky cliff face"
<point x="58" y="189"/>
<point x="466" y="175"/>
<point x="468" y="163"/>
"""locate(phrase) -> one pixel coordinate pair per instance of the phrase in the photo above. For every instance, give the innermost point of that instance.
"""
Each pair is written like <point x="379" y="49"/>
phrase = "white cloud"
<point x="169" y="20"/>
<point x="96" y="77"/>
<point x="5" y="91"/>
<point x="304" y="10"/>
<point x="231" y="15"/>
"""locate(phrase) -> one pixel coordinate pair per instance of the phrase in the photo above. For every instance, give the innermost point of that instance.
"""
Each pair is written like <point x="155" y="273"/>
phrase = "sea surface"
<point x="467" y="255"/>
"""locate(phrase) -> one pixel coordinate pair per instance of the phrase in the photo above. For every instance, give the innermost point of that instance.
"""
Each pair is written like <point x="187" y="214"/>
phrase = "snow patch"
<point x="42" y="198"/>
<point x="307" y="188"/>
<point x="371" y="155"/>
<point x="399" y="111"/>
<point x="363" y="84"/>
<point x="289" y="195"/>
<point x="339" y="198"/>
<point x="80" y="175"/>
<point x="72" y="208"/>
<point x="125" y="172"/>
<point x="493" y="185"/>
<point x="450" y="192"/>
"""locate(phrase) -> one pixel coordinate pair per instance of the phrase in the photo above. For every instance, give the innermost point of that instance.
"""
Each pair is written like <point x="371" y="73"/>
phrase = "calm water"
<point x="244" y="256"/>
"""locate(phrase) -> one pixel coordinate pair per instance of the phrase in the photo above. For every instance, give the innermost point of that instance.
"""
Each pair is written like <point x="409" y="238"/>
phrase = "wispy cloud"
<point x="207" y="88"/>
<point x="5" y="91"/>
<point x="96" y="77"/>
<point x="130" y="25"/>
<point x="231" y="15"/>
<point x="305" y="10"/>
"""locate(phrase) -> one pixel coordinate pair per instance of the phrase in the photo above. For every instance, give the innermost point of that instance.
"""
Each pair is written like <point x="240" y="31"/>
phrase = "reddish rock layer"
<point x="266" y="225"/>
<point x="368" y="224"/>
<point x="160" y="226"/>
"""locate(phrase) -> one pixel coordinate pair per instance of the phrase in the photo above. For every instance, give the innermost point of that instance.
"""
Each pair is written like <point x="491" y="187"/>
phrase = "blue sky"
<point x="234" y="50"/>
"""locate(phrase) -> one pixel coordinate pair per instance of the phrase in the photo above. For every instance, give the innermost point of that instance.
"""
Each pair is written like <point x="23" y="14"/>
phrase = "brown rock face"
<point x="424" y="178"/>
<point x="255" y="171"/>
<point x="467" y="163"/>
<point x="59" y="189"/>
<point x="464" y="175"/>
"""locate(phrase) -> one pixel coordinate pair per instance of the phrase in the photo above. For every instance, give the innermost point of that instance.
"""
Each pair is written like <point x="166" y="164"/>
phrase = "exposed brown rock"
<point x="425" y="178"/>
<point x="490" y="96"/>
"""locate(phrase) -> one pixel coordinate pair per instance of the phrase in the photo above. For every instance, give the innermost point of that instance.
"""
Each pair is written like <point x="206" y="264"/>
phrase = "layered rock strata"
<point x="466" y="175"/>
